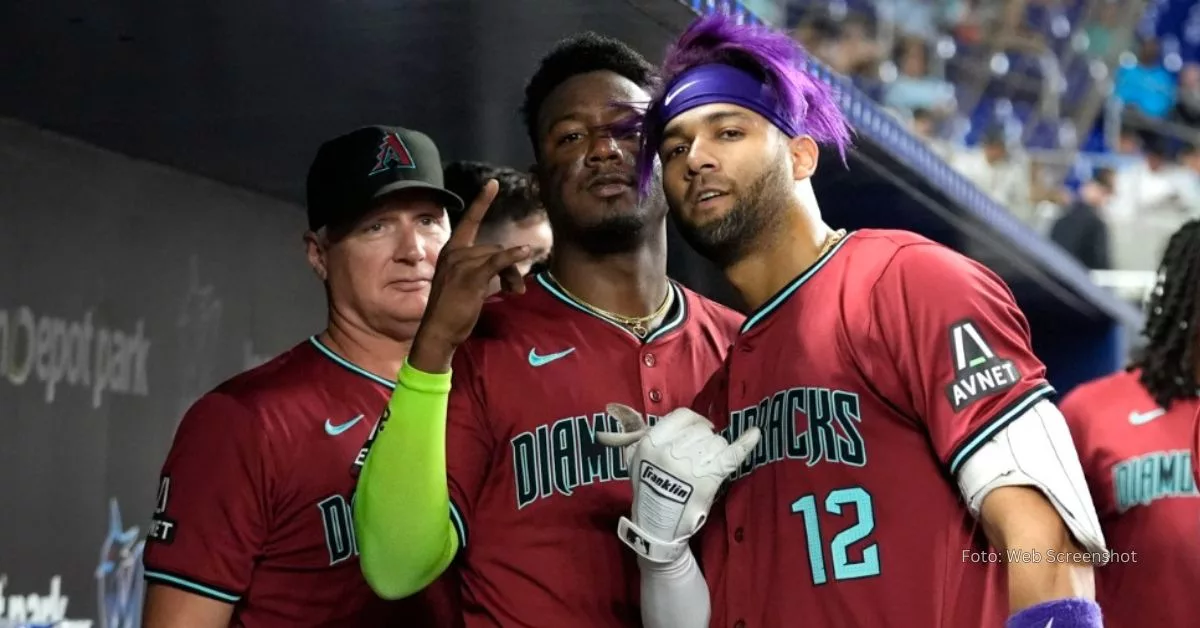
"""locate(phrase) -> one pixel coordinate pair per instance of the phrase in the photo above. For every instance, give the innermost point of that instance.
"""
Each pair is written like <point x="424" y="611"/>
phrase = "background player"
<point x="532" y="497"/>
<point x="252" y="525"/>
<point x="876" y="365"/>
<point x="516" y="217"/>
<point x="1134" y="431"/>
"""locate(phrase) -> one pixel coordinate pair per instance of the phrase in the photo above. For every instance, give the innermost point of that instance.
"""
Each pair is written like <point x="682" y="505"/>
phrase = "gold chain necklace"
<point x="831" y="240"/>
<point x="639" y="325"/>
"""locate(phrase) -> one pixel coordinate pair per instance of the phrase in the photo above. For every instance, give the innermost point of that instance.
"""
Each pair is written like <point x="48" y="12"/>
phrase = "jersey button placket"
<point x="737" y="571"/>
<point x="739" y="624"/>
<point x="651" y="379"/>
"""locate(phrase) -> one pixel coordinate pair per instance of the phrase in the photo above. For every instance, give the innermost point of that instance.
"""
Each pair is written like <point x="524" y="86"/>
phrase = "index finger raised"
<point x="468" y="226"/>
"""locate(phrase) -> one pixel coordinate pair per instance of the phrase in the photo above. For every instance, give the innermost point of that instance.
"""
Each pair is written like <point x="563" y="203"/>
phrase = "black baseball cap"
<point x="351" y="171"/>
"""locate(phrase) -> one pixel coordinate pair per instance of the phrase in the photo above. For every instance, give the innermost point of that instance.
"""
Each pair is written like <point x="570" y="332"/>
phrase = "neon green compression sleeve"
<point x="402" y="503"/>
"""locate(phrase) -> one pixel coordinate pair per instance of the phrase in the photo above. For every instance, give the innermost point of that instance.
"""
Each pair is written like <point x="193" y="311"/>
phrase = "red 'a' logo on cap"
<point x="392" y="154"/>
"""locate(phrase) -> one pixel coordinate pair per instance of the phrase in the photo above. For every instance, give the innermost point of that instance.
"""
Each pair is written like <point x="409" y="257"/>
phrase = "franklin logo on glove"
<point x="667" y="485"/>
<point x="681" y="464"/>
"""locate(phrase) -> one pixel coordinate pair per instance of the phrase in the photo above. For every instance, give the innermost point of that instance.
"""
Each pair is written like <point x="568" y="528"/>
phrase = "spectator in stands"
<point x="966" y="22"/>
<point x="917" y="18"/>
<point x="819" y="36"/>
<point x="914" y="88"/>
<point x="1147" y="89"/>
<point x="856" y="50"/>
<point x="924" y="125"/>
<point x="1081" y="230"/>
<point x="1004" y="176"/>
<point x="1153" y="185"/>
<point x="1129" y="142"/>
<point x="1100" y="33"/>
<point x="516" y="217"/>
<point x="1189" y="159"/>
<point x="1187" y="103"/>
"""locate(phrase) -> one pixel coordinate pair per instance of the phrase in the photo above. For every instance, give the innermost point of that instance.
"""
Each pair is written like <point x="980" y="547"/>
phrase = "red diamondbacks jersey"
<point x="873" y="377"/>
<point x="536" y="500"/>
<point x="1138" y="462"/>
<point x="254" y="499"/>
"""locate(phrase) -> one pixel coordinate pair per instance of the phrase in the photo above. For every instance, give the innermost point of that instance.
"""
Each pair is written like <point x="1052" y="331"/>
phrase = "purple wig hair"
<point x="778" y="60"/>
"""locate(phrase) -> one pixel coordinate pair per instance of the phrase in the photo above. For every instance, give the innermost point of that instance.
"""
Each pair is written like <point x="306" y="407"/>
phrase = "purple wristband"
<point x="1068" y="613"/>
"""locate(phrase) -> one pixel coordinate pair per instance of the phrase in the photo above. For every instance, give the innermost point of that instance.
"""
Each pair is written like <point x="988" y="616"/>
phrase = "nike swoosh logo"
<point x="1142" y="418"/>
<point x="334" y="430"/>
<point x="675" y="92"/>
<point x="542" y="360"/>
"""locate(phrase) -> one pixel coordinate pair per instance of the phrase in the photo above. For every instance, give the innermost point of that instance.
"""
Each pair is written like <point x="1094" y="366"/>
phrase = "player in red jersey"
<point x="1135" y="431"/>
<point x="901" y="410"/>
<point x="253" y="521"/>
<point x="515" y="485"/>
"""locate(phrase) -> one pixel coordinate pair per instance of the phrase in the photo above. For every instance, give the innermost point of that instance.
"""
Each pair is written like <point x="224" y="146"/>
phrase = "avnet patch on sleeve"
<point x="978" y="371"/>
<point x="162" y="529"/>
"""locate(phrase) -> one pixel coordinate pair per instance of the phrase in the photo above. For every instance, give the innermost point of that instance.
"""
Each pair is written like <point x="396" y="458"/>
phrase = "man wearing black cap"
<point x="252" y="525"/>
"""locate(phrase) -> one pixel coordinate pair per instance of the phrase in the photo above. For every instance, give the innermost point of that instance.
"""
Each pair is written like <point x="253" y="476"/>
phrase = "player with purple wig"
<point x="888" y="416"/>
<point x="803" y="103"/>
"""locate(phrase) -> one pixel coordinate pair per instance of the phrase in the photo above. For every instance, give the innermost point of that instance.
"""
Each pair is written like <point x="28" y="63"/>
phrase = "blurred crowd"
<point x="1083" y="128"/>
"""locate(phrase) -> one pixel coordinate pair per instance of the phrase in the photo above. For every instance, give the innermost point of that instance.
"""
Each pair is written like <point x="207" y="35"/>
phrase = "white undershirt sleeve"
<point x="674" y="595"/>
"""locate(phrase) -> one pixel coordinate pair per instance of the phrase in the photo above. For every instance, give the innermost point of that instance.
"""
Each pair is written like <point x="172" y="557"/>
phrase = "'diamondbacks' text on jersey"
<point x="873" y="377"/>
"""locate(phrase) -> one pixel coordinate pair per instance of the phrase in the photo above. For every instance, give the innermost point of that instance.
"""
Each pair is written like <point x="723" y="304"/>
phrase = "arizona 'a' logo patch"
<point x="978" y="371"/>
<point x="392" y="154"/>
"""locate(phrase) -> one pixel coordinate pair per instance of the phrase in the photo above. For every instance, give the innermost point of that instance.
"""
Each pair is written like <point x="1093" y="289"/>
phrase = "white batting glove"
<point x="676" y="468"/>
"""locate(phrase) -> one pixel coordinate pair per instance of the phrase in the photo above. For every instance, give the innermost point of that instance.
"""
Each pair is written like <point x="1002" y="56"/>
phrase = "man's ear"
<point x="315" y="250"/>
<point x="804" y="152"/>
<point x="535" y="183"/>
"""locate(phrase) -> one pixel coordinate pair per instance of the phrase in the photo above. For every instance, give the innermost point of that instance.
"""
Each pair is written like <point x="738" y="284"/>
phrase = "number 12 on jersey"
<point x="811" y="508"/>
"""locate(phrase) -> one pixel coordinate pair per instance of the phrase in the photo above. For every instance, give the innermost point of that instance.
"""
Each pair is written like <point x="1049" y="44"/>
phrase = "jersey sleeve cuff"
<point x="417" y="380"/>
<point x="191" y="585"/>
<point x="999" y="421"/>
<point x="460" y="524"/>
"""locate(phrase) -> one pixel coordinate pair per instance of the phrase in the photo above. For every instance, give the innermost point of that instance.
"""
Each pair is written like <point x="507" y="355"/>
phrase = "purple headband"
<point x="720" y="83"/>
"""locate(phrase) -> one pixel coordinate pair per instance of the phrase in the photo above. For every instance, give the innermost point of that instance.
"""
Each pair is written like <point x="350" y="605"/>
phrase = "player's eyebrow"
<point x="570" y="116"/>
<point x="716" y="118"/>
<point x="728" y="115"/>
